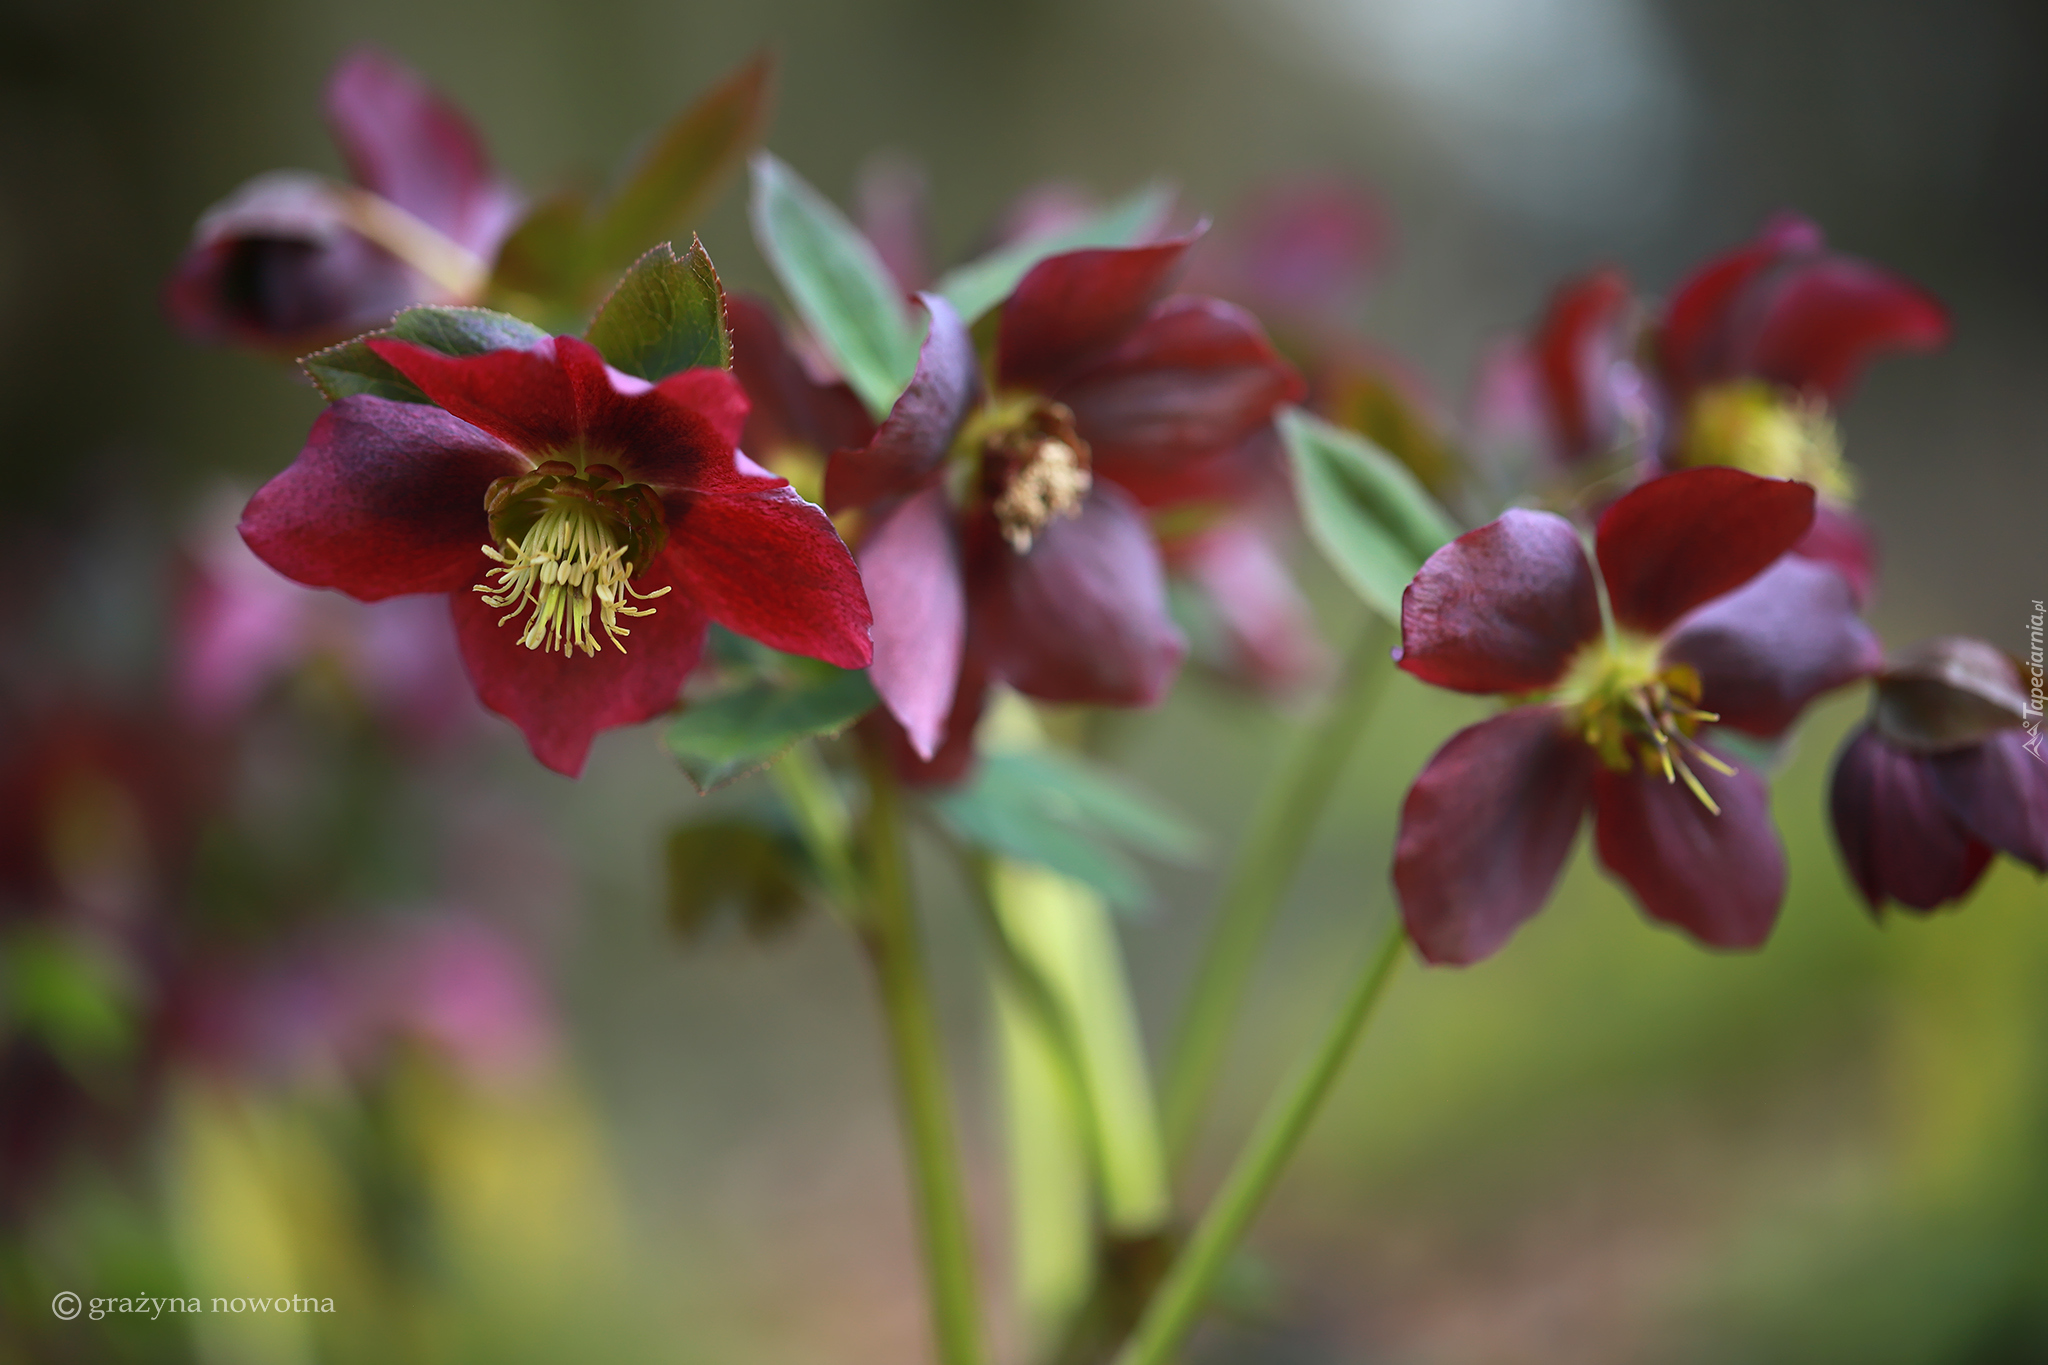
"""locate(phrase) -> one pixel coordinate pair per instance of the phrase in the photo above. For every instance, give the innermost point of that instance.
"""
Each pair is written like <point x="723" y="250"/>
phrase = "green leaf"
<point x="352" y="367"/>
<point x="1370" y="517"/>
<point x="682" y="166"/>
<point x="759" y="872"/>
<point x="837" y="282"/>
<point x="980" y="285"/>
<point x="666" y="316"/>
<point x="726" y="737"/>
<point x="546" y="256"/>
<point x="1053" y="810"/>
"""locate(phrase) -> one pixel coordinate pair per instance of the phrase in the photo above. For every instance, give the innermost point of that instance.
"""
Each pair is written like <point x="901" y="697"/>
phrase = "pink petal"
<point x="910" y="565"/>
<point x="1768" y="648"/>
<point x="1721" y="878"/>
<point x="909" y="449"/>
<point x="1501" y="609"/>
<point x="561" y="702"/>
<point x="1684" y="539"/>
<point x="1896" y="834"/>
<point x="1194" y="379"/>
<point x="1082" y="617"/>
<point x="769" y="565"/>
<point x="1071" y="308"/>
<point x="1486" y="829"/>
<point x="386" y="498"/>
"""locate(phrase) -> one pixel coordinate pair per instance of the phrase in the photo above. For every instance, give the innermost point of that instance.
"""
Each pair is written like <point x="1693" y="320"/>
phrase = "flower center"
<point x="1632" y="711"/>
<point x="568" y="545"/>
<point x="1034" y="466"/>
<point x="1756" y="427"/>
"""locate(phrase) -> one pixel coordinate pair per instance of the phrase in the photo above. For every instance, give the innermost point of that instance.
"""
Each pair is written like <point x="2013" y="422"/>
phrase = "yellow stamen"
<point x="1753" y="426"/>
<point x="570" y="570"/>
<point x="1631" y="709"/>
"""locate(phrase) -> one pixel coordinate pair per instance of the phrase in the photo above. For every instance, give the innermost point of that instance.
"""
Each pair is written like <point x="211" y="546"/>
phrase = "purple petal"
<point x="911" y="566"/>
<point x="1502" y="608"/>
<point x="1721" y="878"/>
<point x="1998" y="791"/>
<point x="1896" y="833"/>
<point x="1485" y="830"/>
<point x="1768" y="648"/>
<point x="1082" y="616"/>
<point x="910" y="448"/>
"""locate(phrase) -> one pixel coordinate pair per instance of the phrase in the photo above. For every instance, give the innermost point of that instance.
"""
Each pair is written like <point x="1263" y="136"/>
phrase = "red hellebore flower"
<point x="554" y="498"/>
<point x="1944" y="775"/>
<point x="1704" y="623"/>
<point x="1001" y="533"/>
<point x="293" y="260"/>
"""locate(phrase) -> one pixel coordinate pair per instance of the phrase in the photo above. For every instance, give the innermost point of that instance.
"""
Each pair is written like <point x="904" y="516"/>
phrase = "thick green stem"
<point x="1280" y="828"/>
<point x="889" y="932"/>
<point x="1187" y="1286"/>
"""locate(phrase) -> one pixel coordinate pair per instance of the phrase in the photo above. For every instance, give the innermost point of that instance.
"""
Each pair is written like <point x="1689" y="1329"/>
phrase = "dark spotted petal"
<point x="1895" y="832"/>
<point x="1998" y="791"/>
<point x="560" y="701"/>
<point x="1082" y="616"/>
<point x="910" y="448"/>
<point x="1682" y="540"/>
<point x="1071" y="308"/>
<point x="386" y="498"/>
<point x="910" y="565"/>
<point x="1721" y="878"/>
<point x="1768" y="648"/>
<point x="1485" y="830"/>
<point x="1502" y="608"/>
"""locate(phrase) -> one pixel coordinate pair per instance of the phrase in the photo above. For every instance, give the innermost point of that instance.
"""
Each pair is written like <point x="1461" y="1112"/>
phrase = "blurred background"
<point x="434" y="1051"/>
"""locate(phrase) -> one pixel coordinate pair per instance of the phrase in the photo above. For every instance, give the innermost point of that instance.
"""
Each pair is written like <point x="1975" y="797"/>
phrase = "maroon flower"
<point x="293" y="260"/>
<point x="1704" y="624"/>
<point x="1002" y="534"/>
<point x="553" y="498"/>
<point x="1943" y="776"/>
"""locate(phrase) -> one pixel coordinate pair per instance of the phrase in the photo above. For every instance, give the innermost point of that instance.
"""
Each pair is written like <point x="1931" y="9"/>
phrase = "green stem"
<point x="889" y="932"/>
<point x="1181" y="1296"/>
<point x="807" y="788"/>
<point x="1280" y="828"/>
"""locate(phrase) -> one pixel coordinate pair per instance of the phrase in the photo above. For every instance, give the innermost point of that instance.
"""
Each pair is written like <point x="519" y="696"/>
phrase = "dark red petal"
<point x="1828" y="314"/>
<point x="1575" y="349"/>
<point x="386" y="498"/>
<point x="1768" y="648"/>
<point x="1269" y="634"/>
<point x="1082" y="617"/>
<point x="1070" y="308"/>
<point x="769" y="565"/>
<point x="1896" y="834"/>
<point x="1694" y="343"/>
<point x="1502" y="608"/>
<point x="1682" y="540"/>
<point x="910" y="447"/>
<point x="524" y="398"/>
<point x="910" y="564"/>
<point x="1188" y="386"/>
<point x="1721" y="878"/>
<point x="1839" y="539"/>
<point x="789" y="406"/>
<point x="409" y="145"/>
<point x="1998" y="791"/>
<point x="560" y="701"/>
<point x="1485" y="830"/>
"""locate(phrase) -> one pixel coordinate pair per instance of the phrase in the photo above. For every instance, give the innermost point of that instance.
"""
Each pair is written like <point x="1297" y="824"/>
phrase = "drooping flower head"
<point x="292" y="260"/>
<point x="1685" y="617"/>
<point x="1002" y="533"/>
<point x="1941" y="778"/>
<point x="586" y="525"/>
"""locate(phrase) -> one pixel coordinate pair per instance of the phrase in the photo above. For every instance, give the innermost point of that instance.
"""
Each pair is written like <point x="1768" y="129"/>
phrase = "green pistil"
<point x="1631" y="710"/>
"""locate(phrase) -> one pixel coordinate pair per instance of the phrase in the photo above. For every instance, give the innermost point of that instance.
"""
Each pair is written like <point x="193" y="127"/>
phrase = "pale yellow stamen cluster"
<point x="1051" y="483"/>
<point x="570" y="571"/>
<point x="1630" y="709"/>
<point x="1757" y="427"/>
